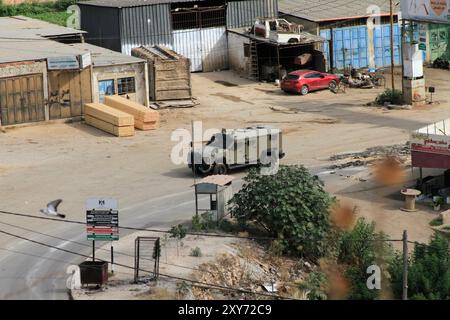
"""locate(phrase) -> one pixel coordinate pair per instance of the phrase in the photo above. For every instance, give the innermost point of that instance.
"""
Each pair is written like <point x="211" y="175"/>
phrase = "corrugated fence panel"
<point x="382" y="44"/>
<point x="214" y="49"/>
<point x="350" y="47"/>
<point x="145" y="25"/>
<point x="243" y="13"/>
<point x="189" y="44"/>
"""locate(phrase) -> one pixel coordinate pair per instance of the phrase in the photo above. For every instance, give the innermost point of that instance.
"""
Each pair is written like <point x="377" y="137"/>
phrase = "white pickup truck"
<point x="278" y="30"/>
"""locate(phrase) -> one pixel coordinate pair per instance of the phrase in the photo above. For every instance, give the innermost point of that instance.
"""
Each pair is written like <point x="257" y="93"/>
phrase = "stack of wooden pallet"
<point x="144" y="118"/>
<point x="109" y="119"/>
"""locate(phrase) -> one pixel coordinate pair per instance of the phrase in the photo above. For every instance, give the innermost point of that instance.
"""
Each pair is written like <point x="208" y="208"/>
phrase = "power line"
<point x="194" y="282"/>
<point x="89" y="246"/>
<point x="216" y="235"/>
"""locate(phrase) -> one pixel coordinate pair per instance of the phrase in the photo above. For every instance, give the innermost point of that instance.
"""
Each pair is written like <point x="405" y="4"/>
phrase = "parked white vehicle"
<point x="278" y="30"/>
<point x="234" y="148"/>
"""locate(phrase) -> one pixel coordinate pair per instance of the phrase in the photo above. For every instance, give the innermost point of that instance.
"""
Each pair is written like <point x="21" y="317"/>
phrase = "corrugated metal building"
<point x="350" y="41"/>
<point x="40" y="79"/>
<point x="47" y="73"/>
<point x="195" y="29"/>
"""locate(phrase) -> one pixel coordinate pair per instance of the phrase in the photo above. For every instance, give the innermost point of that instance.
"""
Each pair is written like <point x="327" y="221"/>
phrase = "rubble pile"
<point x="251" y="270"/>
<point x="369" y="156"/>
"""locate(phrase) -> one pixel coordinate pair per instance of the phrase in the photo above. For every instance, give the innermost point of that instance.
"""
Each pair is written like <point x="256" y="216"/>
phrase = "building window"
<point x="126" y="85"/>
<point x="201" y="15"/>
<point x="105" y="88"/>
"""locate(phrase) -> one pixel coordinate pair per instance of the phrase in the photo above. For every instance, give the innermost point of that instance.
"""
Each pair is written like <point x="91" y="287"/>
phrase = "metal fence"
<point x="147" y="251"/>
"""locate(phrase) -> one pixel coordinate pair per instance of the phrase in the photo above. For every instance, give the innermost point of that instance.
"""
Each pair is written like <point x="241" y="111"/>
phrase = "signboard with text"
<point x="63" y="63"/>
<point x="437" y="11"/>
<point x="102" y="219"/>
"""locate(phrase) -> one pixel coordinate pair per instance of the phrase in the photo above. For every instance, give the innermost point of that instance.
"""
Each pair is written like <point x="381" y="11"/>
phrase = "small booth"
<point x="220" y="191"/>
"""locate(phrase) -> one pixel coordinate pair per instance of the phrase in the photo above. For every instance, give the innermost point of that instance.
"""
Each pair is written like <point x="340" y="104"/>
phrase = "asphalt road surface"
<point x="32" y="271"/>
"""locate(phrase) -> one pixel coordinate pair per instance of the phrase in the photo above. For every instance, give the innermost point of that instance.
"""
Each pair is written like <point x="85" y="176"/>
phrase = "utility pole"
<point x="405" y="265"/>
<point x="391" y="6"/>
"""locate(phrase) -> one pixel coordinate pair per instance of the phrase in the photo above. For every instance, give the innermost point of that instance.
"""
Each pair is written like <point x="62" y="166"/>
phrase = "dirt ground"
<point x="74" y="161"/>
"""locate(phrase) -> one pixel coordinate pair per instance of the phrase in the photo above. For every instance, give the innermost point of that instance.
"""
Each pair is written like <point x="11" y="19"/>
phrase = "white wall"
<point x="237" y="60"/>
<point x="136" y="70"/>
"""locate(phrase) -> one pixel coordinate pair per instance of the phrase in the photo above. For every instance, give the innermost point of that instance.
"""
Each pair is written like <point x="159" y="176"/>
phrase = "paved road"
<point x="31" y="271"/>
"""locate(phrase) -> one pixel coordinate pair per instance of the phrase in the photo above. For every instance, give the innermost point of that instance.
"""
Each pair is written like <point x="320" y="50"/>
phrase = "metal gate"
<point x="21" y="99"/>
<point x="382" y="45"/>
<point x="189" y="44"/>
<point x="350" y="47"/>
<point x="207" y="48"/>
<point x="147" y="251"/>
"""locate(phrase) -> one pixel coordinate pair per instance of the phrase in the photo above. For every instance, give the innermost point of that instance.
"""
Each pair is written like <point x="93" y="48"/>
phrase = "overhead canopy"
<point x="219" y="180"/>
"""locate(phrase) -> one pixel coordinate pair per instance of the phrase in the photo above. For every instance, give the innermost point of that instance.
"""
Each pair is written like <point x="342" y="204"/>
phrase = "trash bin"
<point x="94" y="272"/>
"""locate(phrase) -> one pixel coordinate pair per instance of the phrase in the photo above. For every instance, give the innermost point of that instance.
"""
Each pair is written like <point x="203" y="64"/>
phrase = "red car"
<point x="304" y="81"/>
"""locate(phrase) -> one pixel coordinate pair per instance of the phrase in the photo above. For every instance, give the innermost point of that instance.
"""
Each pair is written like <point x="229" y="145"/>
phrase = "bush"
<point x="315" y="283"/>
<point x="203" y="222"/>
<point x="196" y="252"/>
<point x="391" y="96"/>
<point x="357" y="250"/>
<point x="429" y="271"/>
<point x="290" y="205"/>
<point x="54" y="12"/>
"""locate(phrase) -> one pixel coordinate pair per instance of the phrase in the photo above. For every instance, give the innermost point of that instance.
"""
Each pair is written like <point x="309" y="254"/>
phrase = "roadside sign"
<point x="435" y="11"/>
<point x="422" y="46"/>
<point x="102" y="219"/>
<point x="63" y="63"/>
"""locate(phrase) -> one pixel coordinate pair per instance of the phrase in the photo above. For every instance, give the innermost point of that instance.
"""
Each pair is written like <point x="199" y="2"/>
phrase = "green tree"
<point x="428" y="273"/>
<point x="358" y="249"/>
<point x="179" y="233"/>
<point x="315" y="284"/>
<point x="290" y="205"/>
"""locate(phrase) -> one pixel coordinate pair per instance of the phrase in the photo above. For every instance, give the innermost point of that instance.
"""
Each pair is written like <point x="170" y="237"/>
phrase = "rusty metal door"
<point x="21" y="99"/>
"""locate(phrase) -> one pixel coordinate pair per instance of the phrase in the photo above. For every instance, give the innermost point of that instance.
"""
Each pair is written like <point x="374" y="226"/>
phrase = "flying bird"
<point x="52" y="209"/>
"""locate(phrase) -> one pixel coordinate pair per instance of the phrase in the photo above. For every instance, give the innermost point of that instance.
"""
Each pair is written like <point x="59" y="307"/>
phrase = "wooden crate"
<point x="146" y="125"/>
<point x="169" y="73"/>
<point x="138" y="111"/>
<point x="108" y="114"/>
<point x="125" y="131"/>
<point x="144" y="118"/>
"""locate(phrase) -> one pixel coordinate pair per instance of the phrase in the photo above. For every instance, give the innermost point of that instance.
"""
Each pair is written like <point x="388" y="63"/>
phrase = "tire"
<point x="220" y="169"/>
<point x="304" y="90"/>
<point x="332" y="85"/>
<point x="201" y="169"/>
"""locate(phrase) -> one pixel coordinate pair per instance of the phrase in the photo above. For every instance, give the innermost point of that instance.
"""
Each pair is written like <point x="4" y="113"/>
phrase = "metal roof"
<point x="23" y="39"/>
<point x="220" y="180"/>
<point x="130" y="3"/>
<point x="326" y="10"/>
<point x="102" y="57"/>
<point x="26" y="27"/>
<point x="33" y="50"/>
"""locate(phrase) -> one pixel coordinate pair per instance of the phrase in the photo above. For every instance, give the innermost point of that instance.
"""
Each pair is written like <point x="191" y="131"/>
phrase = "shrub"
<point x="429" y="271"/>
<point x="290" y="205"/>
<point x="391" y="96"/>
<point x="203" y="222"/>
<point x="196" y="252"/>
<point x="315" y="283"/>
<point x="358" y="249"/>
